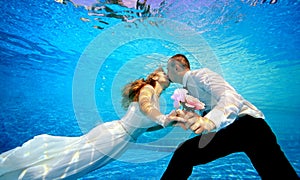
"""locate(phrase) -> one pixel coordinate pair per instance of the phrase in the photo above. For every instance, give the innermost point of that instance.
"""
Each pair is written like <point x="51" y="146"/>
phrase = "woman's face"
<point x="163" y="79"/>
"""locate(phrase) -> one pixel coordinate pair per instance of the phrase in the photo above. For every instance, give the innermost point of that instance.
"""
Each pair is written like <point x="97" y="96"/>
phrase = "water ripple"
<point x="28" y="55"/>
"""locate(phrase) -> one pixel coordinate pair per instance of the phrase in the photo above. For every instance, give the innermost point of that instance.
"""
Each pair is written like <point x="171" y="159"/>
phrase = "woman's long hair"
<point x="131" y="91"/>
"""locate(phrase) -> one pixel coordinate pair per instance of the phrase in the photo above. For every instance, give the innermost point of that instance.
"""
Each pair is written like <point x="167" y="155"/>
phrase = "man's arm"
<point x="228" y="102"/>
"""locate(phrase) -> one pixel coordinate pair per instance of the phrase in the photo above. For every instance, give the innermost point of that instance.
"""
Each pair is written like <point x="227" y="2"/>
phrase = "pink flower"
<point x="194" y="103"/>
<point x="179" y="97"/>
<point x="188" y="102"/>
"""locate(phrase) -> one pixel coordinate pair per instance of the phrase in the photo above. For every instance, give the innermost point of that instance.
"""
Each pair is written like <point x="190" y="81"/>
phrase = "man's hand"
<point x="202" y="125"/>
<point x="195" y="122"/>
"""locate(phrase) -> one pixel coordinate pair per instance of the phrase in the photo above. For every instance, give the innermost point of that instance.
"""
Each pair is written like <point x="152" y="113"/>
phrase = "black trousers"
<point x="247" y="134"/>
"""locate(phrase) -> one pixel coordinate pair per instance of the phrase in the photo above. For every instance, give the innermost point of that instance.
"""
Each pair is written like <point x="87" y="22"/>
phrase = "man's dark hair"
<point x="182" y="59"/>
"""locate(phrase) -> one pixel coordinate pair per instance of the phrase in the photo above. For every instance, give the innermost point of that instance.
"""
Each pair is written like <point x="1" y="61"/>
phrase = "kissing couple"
<point x="228" y="120"/>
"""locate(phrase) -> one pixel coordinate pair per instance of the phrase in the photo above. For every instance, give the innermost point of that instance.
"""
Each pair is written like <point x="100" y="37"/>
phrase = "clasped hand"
<point x="194" y="122"/>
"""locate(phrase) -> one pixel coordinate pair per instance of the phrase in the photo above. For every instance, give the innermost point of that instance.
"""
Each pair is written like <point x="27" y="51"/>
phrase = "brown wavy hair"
<point x="131" y="91"/>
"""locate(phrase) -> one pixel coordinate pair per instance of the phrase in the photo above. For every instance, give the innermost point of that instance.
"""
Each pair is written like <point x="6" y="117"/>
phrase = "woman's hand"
<point x="182" y="115"/>
<point x="174" y="118"/>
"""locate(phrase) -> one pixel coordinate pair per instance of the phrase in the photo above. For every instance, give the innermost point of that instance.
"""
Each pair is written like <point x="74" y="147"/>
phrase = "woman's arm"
<point x="148" y="108"/>
<point x="147" y="105"/>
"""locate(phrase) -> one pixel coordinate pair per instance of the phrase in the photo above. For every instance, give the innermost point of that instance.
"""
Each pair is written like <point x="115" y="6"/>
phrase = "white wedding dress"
<point x="57" y="157"/>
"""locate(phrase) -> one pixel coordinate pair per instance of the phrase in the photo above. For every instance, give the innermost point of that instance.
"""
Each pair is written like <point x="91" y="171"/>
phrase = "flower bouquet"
<point x="188" y="102"/>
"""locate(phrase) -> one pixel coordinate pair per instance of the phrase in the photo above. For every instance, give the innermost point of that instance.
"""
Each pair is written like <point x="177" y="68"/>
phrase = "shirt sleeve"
<point x="226" y="102"/>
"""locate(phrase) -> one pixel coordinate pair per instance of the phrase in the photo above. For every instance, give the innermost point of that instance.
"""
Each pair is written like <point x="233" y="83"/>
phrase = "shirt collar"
<point x="185" y="78"/>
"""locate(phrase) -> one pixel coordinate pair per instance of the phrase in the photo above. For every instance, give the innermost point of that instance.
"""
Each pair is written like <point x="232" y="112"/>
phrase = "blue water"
<point x="42" y="42"/>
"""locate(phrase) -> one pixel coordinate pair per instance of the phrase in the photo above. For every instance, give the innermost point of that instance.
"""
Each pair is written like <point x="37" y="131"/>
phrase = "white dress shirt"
<point x="223" y="104"/>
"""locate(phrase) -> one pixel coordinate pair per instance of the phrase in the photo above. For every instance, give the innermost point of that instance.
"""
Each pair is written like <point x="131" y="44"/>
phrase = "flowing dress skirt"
<point x="58" y="157"/>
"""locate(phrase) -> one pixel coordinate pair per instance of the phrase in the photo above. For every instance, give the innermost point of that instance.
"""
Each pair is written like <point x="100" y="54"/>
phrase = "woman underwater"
<point x="58" y="157"/>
